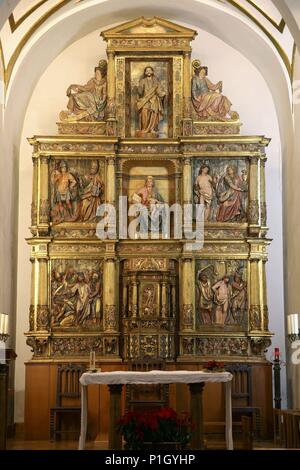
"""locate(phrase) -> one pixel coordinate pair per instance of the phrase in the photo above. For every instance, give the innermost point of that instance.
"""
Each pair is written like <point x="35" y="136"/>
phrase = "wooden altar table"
<point x="115" y="381"/>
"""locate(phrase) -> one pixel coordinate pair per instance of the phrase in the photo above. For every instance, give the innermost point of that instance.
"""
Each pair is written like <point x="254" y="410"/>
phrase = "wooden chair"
<point x="290" y="429"/>
<point x="246" y="422"/>
<point x="242" y="399"/>
<point x="67" y="399"/>
<point x="146" y="397"/>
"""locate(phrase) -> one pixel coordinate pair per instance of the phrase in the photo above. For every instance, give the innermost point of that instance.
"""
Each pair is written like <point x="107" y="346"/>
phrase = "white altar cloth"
<point x="154" y="377"/>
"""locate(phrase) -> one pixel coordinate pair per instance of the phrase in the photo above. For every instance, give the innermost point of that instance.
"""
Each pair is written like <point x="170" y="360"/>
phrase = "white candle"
<point x="5" y="329"/>
<point x="293" y="324"/>
<point x="289" y="324"/>
<point x="92" y="360"/>
<point x="2" y="319"/>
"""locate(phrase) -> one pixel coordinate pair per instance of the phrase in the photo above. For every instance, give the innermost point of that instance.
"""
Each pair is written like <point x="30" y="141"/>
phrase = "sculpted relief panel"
<point x="221" y="295"/>
<point x="76" y="294"/>
<point x="77" y="189"/>
<point x="222" y="186"/>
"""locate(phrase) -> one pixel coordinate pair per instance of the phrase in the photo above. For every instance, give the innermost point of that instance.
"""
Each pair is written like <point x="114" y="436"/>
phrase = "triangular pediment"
<point x="145" y="27"/>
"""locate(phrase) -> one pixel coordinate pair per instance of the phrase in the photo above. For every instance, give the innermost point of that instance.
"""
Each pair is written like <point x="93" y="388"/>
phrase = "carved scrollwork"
<point x="188" y="346"/>
<point x="219" y="346"/>
<point x="76" y="346"/>
<point x="110" y="319"/>
<point x="39" y="345"/>
<point x="259" y="345"/>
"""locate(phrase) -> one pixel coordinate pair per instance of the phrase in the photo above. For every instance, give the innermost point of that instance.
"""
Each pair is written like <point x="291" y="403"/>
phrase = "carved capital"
<point x="259" y="346"/>
<point x="253" y="159"/>
<point x="38" y="344"/>
<point x="187" y="161"/>
<point x="111" y="160"/>
<point x="45" y="159"/>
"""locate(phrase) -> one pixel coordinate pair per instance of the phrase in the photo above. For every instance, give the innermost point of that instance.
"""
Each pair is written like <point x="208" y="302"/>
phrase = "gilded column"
<point x="124" y="300"/>
<point x="111" y="191"/>
<point x="111" y="180"/>
<point x="110" y="295"/>
<point x="253" y="196"/>
<point x="43" y="201"/>
<point x="111" y="94"/>
<point x="42" y="316"/>
<point x="33" y="295"/>
<point x="263" y="204"/>
<point x="164" y="299"/>
<point x="187" y="194"/>
<point x="173" y="300"/>
<point x="255" y="319"/>
<point x="187" y="180"/>
<point x="187" y="313"/>
<point x="34" y="202"/>
<point x="187" y="127"/>
<point x="265" y="312"/>
<point x="134" y="298"/>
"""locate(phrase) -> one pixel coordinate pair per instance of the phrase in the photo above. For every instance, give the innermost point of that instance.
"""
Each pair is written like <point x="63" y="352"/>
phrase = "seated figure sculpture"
<point x="88" y="102"/>
<point x="207" y="98"/>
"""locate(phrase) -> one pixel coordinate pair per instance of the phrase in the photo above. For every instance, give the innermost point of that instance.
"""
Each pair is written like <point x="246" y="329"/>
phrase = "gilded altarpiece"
<point x="149" y="126"/>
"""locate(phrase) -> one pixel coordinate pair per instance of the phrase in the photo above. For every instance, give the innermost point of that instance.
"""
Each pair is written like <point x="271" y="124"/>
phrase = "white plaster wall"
<point x="250" y="95"/>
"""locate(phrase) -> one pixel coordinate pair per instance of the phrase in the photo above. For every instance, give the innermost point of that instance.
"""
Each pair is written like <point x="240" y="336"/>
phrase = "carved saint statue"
<point x="229" y="192"/>
<point x="64" y="193"/>
<point x="204" y="189"/>
<point x="88" y="102"/>
<point x="150" y="104"/>
<point x="207" y="98"/>
<point x="92" y="194"/>
<point x="151" y="206"/>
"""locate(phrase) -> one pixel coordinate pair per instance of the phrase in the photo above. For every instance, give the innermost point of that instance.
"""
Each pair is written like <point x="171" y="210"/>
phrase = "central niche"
<point x="150" y="185"/>
<point x="149" y="92"/>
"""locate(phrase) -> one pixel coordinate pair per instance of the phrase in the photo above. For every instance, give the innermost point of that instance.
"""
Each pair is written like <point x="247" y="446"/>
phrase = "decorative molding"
<point x="280" y="27"/>
<point x="15" y="24"/>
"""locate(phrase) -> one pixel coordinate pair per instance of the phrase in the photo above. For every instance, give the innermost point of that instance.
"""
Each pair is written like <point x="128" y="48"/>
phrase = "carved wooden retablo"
<point x="150" y="131"/>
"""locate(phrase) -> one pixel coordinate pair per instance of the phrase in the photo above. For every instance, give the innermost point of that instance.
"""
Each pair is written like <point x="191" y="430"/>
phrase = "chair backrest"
<point x="68" y="385"/>
<point x="241" y="384"/>
<point x="146" y="397"/>
<point x="146" y="364"/>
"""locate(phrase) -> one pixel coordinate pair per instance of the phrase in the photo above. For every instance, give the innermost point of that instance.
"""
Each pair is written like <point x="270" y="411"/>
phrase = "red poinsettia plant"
<point x="163" y="425"/>
<point x="213" y="366"/>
